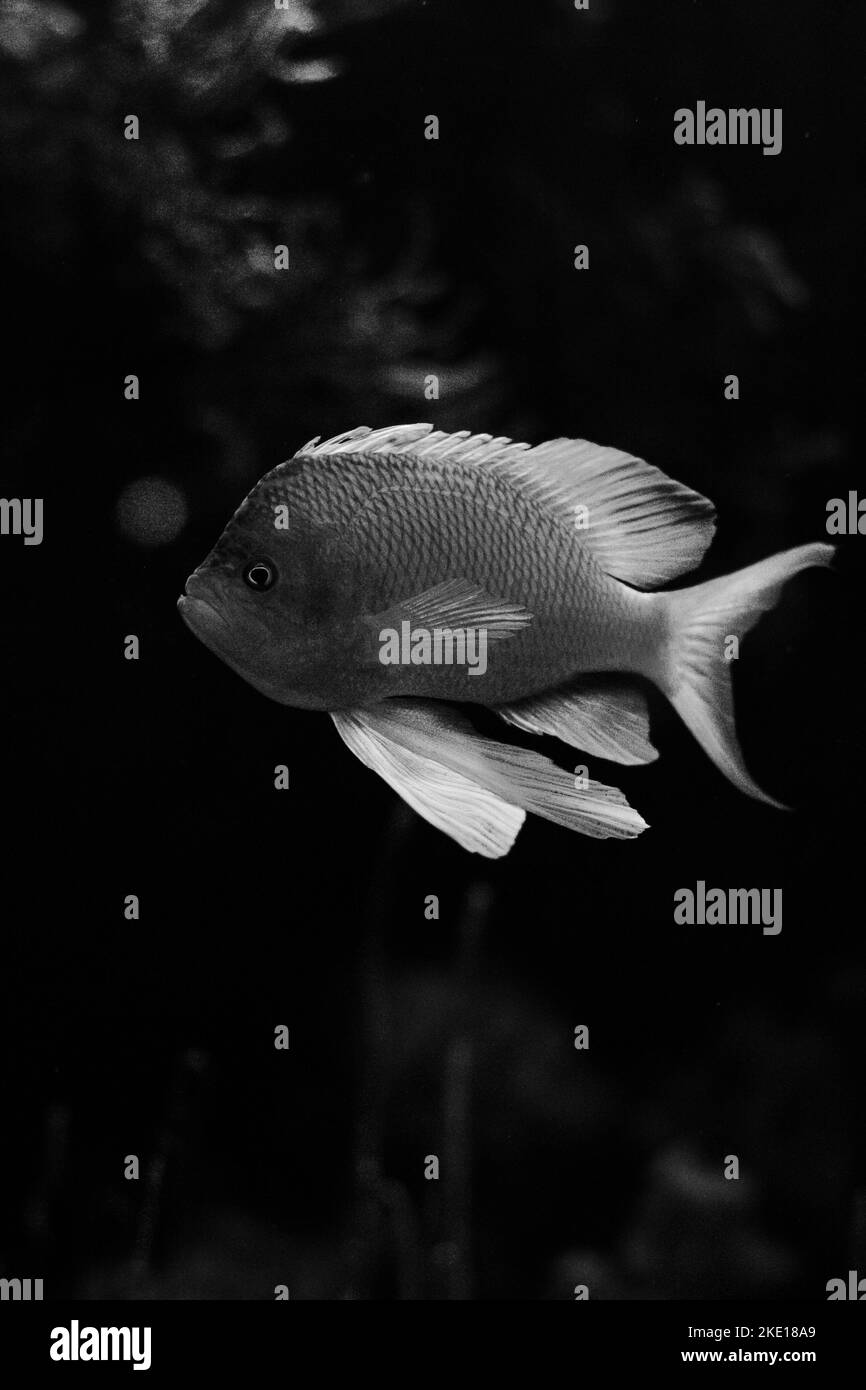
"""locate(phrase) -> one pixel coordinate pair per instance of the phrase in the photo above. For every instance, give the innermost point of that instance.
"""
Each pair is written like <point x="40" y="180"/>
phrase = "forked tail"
<point x="696" y="673"/>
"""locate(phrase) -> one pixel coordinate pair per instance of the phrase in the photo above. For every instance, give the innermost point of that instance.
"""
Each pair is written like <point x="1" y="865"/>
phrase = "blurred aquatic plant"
<point x="187" y="218"/>
<point x="207" y="82"/>
<point x="69" y="84"/>
<point x="696" y="238"/>
<point x="692" y="1235"/>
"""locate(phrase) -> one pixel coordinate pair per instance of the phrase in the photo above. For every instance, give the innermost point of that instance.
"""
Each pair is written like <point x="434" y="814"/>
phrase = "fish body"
<point x="380" y="529"/>
<point x="386" y="576"/>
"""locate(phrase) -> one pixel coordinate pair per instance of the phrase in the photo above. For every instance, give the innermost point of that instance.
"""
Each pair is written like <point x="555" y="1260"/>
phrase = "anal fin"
<point x="603" y="717"/>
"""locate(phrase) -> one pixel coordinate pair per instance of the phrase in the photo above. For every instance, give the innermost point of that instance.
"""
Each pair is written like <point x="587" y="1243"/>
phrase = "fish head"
<point x="269" y="598"/>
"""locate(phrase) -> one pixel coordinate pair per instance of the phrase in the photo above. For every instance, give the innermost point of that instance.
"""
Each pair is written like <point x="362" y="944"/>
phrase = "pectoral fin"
<point x="455" y="606"/>
<point x="457" y="603"/>
<point x="479" y="821"/>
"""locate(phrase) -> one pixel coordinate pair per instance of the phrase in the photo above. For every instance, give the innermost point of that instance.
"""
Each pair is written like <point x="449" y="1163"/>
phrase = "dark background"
<point x="411" y="1037"/>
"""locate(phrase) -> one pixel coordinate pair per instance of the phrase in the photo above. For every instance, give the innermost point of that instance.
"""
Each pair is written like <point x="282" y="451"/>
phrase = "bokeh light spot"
<point x="151" y="511"/>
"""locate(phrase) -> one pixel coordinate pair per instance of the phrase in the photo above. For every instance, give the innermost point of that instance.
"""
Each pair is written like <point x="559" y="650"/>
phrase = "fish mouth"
<point x="213" y="628"/>
<point x="200" y="616"/>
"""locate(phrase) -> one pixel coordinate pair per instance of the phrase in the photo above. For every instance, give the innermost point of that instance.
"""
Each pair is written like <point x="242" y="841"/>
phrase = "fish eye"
<point x="260" y="575"/>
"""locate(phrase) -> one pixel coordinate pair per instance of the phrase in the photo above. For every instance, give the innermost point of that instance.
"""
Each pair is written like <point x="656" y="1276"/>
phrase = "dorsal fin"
<point x="641" y="526"/>
<point x="421" y="441"/>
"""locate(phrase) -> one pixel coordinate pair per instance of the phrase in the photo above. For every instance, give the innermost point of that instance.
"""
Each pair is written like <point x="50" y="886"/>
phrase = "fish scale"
<point x="413" y="523"/>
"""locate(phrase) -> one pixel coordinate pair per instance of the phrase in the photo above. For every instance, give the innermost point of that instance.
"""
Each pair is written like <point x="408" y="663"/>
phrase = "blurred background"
<point x="410" y="1037"/>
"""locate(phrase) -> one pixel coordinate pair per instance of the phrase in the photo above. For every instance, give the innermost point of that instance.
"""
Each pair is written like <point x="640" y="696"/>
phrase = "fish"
<point x="368" y="575"/>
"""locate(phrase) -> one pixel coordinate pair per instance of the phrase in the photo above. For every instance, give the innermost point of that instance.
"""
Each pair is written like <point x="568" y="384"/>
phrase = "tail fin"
<point x="697" y="677"/>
